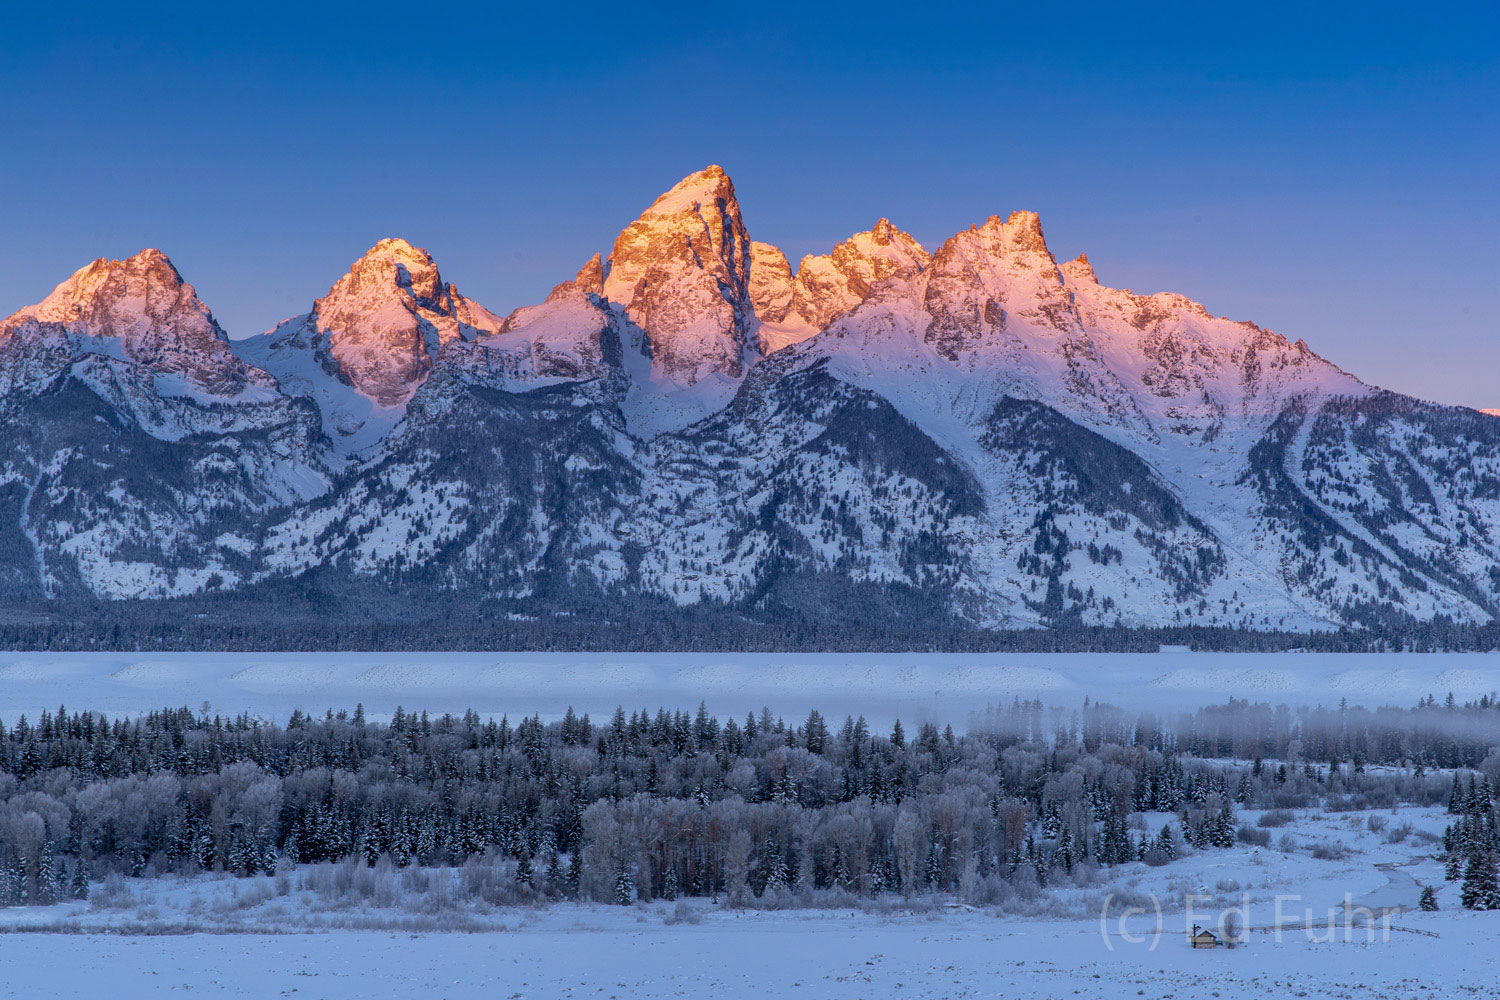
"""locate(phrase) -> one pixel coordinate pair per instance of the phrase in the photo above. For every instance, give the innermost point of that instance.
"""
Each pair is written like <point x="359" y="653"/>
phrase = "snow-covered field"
<point x="305" y="944"/>
<point x="259" y="937"/>
<point x="883" y="686"/>
<point x="752" y="956"/>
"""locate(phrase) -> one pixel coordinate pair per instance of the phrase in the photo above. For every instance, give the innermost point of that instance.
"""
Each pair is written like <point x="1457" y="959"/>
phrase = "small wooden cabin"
<point x="1201" y="938"/>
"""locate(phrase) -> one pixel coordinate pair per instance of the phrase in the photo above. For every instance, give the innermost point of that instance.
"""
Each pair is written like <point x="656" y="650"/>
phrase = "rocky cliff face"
<point x="681" y="273"/>
<point x="980" y="435"/>
<point x="771" y="287"/>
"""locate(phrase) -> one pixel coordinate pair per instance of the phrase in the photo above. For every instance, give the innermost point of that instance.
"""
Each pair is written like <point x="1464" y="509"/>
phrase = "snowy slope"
<point x="977" y="435"/>
<point x="140" y="451"/>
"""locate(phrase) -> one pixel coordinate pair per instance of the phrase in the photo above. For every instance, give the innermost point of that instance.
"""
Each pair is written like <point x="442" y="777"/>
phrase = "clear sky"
<point x="1327" y="170"/>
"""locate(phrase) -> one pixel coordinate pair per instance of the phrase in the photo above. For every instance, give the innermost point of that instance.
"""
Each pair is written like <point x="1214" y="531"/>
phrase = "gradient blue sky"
<point x="1329" y="171"/>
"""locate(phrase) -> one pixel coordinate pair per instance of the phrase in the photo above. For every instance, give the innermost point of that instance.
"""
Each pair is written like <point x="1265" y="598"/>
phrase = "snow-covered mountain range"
<point x="975" y="434"/>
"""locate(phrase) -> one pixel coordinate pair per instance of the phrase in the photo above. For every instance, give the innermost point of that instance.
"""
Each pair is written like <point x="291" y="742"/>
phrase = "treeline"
<point x="642" y="806"/>
<point x="208" y="626"/>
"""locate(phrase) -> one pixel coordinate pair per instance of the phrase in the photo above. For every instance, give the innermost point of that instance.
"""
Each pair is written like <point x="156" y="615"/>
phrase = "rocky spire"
<point x="1079" y="270"/>
<point x="590" y="277"/>
<point x="589" y="280"/>
<point x="681" y="272"/>
<point x="770" y="282"/>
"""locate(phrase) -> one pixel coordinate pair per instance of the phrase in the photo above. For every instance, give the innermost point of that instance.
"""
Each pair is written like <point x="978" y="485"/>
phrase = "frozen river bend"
<point x="882" y="686"/>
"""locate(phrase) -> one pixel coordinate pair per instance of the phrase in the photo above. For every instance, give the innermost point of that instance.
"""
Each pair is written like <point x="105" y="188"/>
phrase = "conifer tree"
<point x="575" y="874"/>
<point x="1481" y="886"/>
<point x="1166" y="843"/>
<point x="13" y="882"/>
<point x="48" y="885"/>
<point x="624" y="885"/>
<point x="555" y="876"/>
<point x="776" y="869"/>
<point x="241" y="856"/>
<point x="267" y="856"/>
<point x="1223" y="830"/>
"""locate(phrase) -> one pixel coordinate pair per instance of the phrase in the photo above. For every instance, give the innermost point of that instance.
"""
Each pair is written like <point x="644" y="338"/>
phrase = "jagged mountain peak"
<point x="1014" y="248"/>
<point x="1025" y="229"/>
<point x="706" y="187"/>
<point x="142" y="305"/>
<point x="895" y="245"/>
<point x="391" y="266"/>
<point x="1017" y="238"/>
<point x="681" y="272"/>
<point x="385" y="319"/>
<point x="366" y="346"/>
<point x="589" y="280"/>
<point x="105" y="292"/>
<point x="771" y="283"/>
<point x="830" y="284"/>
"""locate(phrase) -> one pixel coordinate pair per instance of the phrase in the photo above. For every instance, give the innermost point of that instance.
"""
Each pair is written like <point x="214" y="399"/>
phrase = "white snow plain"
<point x="943" y="687"/>
<point x="294" y="940"/>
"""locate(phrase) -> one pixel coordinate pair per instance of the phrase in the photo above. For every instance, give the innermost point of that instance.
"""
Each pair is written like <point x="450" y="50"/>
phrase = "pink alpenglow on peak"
<point x="832" y="284"/>
<point x="1080" y="271"/>
<point x="375" y="335"/>
<point x="681" y="273"/>
<point x="589" y="281"/>
<point x="141" y="310"/>
<point x="385" y="320"/>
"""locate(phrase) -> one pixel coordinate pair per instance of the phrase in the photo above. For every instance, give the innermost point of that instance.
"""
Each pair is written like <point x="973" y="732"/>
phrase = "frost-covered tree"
<point x="624" y="886"/>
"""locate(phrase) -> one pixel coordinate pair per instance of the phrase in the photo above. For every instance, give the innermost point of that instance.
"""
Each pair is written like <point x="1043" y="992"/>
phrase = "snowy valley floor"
<point x="131" y="939"/>
<point x="753" y="956"/>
